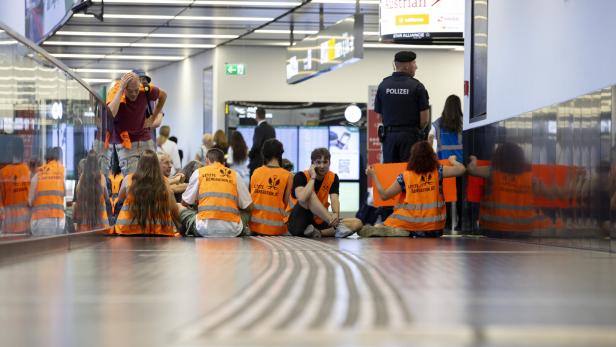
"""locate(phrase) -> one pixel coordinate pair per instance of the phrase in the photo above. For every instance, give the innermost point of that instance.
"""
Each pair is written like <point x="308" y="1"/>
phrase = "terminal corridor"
<point x="264" y="291"/>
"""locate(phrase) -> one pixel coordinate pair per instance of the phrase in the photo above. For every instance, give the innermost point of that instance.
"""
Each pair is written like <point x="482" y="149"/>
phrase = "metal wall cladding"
<point x="551" y="177"/>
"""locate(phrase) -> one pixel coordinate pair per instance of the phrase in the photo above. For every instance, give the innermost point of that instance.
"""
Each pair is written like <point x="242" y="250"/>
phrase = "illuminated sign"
<point x="331" y="48"/>
<point x="408" y="20"/>
<point x="235" y="69"/>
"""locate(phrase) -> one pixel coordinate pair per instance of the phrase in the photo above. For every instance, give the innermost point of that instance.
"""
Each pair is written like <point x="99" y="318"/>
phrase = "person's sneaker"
<point x="343" y="231"/>
<point x="312" y="232"/>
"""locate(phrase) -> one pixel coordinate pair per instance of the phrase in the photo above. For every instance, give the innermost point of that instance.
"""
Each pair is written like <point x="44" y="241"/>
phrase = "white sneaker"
<point x="312" y="232"/>
<point x="343" y="231"/>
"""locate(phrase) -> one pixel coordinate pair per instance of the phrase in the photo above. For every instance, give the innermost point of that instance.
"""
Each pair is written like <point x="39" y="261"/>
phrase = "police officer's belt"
<point x="400" y="128"/>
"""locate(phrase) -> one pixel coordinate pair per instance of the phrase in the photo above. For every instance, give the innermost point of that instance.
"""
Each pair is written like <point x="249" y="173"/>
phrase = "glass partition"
<point x="49" y="121"/>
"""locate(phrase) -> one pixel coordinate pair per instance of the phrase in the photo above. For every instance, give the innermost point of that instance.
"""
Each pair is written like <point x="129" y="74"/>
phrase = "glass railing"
<point x="50" y="121"/>
<point x="549" y="175"/>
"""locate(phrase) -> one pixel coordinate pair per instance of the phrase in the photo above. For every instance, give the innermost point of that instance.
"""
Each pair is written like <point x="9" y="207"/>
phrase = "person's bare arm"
<point x="114" y="105"/>
<point x="303" y="193"/>
<point x="335" y="199"/>
<point x="393" y="190"/>
<point x="154" y="121"/>
<point x="480" y="171"/>
<point x="162" y="98"/>
<point x="457" y="169"/>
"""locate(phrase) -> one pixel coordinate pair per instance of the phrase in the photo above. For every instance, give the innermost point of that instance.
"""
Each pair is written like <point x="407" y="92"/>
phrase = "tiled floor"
<point x="282" y="291"/>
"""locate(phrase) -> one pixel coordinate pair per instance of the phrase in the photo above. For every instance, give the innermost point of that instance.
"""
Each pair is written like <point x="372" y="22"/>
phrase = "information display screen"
<point x="309" y="139"/>
<point x="344" y="148"/>
<point x="289" y="139"/>
<point x="404" y="20"/>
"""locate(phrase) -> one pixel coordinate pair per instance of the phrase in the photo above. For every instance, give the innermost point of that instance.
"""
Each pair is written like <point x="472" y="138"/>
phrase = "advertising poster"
<point x="421" y="19"/>
<point x="344" y="148"/>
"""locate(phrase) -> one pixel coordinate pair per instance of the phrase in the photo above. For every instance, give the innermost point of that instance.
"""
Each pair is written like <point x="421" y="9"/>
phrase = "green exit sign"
<point x="235" y="69"/>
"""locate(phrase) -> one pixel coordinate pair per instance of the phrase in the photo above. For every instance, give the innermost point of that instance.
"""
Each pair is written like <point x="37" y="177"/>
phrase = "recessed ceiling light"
<point x="102" y="70"/>
<point x="97" y="80"/>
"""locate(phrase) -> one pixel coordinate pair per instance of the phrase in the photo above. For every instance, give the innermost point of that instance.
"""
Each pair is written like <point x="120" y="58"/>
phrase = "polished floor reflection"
<point x="290" y="291"/>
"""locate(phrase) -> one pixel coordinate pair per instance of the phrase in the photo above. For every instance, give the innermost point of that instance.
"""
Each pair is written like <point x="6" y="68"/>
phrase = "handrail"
<point x="26" y="42"/>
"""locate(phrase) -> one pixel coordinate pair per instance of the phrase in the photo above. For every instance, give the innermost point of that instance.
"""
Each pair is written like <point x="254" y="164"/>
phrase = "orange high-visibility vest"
<point x="116" y="184"/>
<point x="127" y="225"/>
<point x="218" y="196"/>
<point x="509" y="204"/>
<point x="14" y="186"/>
<point x="49" y="195"/>
<point x="103" y="220"/>
<point x="267" y="189"/>
<point x="423" y="208"/>
<point x="322" y="194"/>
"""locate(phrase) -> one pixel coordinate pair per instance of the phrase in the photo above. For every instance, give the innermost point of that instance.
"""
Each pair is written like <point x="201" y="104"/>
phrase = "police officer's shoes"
<point x="343" y="231"/>
<point x="312" y="232"/>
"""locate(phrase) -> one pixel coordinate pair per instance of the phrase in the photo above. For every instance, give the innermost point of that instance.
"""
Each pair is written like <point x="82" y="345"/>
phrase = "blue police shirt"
<point x="399" y="99"/>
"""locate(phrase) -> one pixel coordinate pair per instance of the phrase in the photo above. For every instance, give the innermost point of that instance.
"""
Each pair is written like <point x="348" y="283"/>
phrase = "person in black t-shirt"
<point x="309" y="201"/>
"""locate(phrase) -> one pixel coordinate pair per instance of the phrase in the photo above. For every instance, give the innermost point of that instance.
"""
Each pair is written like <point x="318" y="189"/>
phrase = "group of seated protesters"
<point x="212" y="200"/>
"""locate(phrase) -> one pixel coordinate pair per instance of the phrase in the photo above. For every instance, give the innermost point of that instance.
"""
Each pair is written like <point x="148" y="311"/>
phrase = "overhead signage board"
<point x="428" y="20"/>
<point x="235" y="69"/>
<point x="331" y="48"/>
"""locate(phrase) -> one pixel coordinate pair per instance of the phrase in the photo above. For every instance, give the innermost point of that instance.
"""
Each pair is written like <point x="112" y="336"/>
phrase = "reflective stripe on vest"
<point x="218" y="196"/>
<point x="126" y="225"/>
<point x="49" y="196"/>
<point x="267" y="189"/>
<point x="423" y="208"/>
<point x="322" y="194"/>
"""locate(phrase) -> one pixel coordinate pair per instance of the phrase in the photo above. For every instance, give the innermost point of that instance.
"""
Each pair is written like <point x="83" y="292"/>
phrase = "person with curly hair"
<point x="155" y="212"/>
<point x="422" y="212"/>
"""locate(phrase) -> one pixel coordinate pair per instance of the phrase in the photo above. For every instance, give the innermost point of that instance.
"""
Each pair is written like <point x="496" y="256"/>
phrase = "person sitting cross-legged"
<point x="422" y="213"/>
<point x="308" y="204"/>
<point x="220" y="195"/>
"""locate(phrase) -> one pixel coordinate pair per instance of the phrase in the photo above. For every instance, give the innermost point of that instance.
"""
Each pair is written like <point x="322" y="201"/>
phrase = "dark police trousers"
<point x="398" y="143"/>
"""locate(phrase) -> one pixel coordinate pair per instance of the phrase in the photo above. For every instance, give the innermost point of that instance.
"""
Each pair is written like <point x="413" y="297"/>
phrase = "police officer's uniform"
<point x="399" y="99"/>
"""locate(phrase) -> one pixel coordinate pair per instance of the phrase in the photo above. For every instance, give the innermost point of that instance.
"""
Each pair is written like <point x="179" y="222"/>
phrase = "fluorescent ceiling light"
<point x="349" y="2"/>
<point x="165" y="17"/>
<point x="118" y="57"/>
<point x="7" y="43"/>
<point x="307" y="32"/>
<point x="205" y="3"/>
<point x="97" y="80"/>
<point x="126" y="44"/>
<point x="102" y="70"/>
<point x="111" y="34"/>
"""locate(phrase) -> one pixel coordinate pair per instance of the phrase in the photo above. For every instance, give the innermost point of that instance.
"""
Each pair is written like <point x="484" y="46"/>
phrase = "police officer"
<point x="402" y="103"/>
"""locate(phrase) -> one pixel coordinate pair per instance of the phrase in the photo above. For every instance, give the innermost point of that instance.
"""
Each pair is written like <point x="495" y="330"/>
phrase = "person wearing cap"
<point x="128" y="100"/>
<point x="403" y="105"/>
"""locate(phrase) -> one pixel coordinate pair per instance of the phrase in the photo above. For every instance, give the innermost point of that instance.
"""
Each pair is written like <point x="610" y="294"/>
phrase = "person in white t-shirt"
<point x="222" y="199"/>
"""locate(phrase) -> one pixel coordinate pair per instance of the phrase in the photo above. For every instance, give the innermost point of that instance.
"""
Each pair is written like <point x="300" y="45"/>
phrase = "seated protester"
<point x="270" y="186"/>
<point x="154" y="212"/>
<point x="422" y="213"/>
<point x="308" y="203"/>
<point x="220" y="194"/>
<point x="186" y="172"/>
<point x="176" y="182"/>
<point x="92" y="200"/>
<point x="46" y="196"/>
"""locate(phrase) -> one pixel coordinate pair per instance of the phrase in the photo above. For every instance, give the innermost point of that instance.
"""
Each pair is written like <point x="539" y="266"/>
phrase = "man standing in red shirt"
<point x="128" y="104"/>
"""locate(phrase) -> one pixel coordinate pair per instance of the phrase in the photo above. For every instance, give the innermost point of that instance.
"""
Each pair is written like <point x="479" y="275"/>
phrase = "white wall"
<point x="13" y="14"/>
<point x="184" y="107"/>
<point x="440" y="70"/>
<point x="545" y="52"/>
